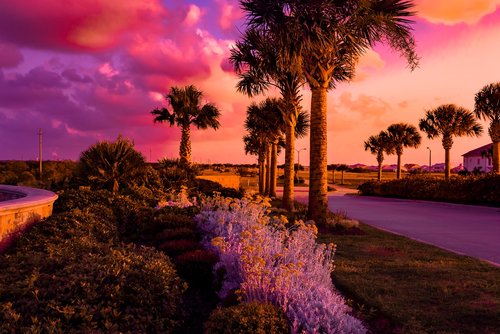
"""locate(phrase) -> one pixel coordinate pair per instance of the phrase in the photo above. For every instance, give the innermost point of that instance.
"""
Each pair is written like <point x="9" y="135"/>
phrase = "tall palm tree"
<point x="111" y="165"/>
<point x="449" y="121"/>
<point x="324" y="39"/>
<point x="403" y="135"/>
<point x="487" y="107"/>
<point x="256" y="60"/>
<point x="186" y="110"/>
<point x="379" y="145"/>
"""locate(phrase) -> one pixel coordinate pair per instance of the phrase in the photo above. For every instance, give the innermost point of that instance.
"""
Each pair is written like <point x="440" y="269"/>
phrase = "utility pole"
<point x="40" y="151"/>
<point x="430" y="159"/>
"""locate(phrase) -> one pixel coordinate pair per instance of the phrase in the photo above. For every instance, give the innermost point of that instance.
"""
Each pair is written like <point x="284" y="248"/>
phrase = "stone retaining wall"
<point x="17" y="214"/>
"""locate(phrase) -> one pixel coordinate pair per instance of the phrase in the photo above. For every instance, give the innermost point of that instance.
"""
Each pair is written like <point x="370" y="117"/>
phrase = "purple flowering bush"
<point x="267" y="260"/>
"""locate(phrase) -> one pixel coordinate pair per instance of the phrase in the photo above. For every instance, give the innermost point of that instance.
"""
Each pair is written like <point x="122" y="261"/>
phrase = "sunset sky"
<point x="88" y="70"/>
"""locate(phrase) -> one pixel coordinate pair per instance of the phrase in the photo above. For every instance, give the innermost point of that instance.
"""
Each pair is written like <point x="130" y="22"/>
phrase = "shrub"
<point x="196" y="267"/>
<point x="176" y="234"/>
<point x="89" y="287"/>
<point x="177" y="247"/>
<point x="482" y="189"/>
<point x="166" y="218"/>
<point x="174" y="174"/>
<point x="96" y="224"/>
<point x="252" y="318"/>
<point x="268" y="261"/>
<point x="81" y="198"/>
<point x="111" y="165"/>
<point x="207" y="188"/>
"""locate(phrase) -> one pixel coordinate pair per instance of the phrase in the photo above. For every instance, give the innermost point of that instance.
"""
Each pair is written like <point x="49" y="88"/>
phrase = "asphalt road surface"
<point x="464" y="229"/>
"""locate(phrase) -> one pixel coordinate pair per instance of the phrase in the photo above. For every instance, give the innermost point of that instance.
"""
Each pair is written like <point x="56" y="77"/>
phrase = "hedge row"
<point x="482" y="189"/>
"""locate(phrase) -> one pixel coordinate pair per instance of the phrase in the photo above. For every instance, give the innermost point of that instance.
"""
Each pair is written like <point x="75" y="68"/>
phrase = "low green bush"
<point x="96" y="223"/>
<point x="207" y="188"/>
<point x="145" y="224"/>
<point x="473" y="189"/>
<point x="247" y="318"/>
<point x="176" y="234"/>
<point x="81" y="198"/>
<point x="84" y="286"/>
<point x="177" y="247"/>
<point x="196" y="267"/>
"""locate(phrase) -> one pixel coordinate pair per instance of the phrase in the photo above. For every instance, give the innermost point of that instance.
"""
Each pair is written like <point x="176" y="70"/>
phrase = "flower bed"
<point x="266" y="260"/>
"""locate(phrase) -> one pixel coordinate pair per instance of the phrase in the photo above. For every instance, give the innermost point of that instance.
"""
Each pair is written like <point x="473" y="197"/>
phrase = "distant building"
<point x="480" y="158"/>
<point x="363" y="166"/>
<point x="438" y="168"/>
<point x="457" y="169"/>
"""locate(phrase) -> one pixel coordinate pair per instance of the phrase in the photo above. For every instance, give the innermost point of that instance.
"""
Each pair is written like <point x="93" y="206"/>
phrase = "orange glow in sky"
<point x="93" y="69"/>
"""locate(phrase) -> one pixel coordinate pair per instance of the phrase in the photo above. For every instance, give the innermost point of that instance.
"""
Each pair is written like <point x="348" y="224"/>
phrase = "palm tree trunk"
<point x="318" y="187"/>
<point x="447" y="144"/>
<point x="496" y="157"/>
<point x="380" y="160"/>
<point x="274" y="168"/>
<point x="342" y="181"/>
<point x="261" y="173"/>
<point x="494" y="132"/>
<point x="268" y="170"/>
<point x="288" y="186"/>
<point x="446" y="163"/>
<point x="398" y="173"/>
<point x="334" y="176"/>
<point x="185" y="148"/>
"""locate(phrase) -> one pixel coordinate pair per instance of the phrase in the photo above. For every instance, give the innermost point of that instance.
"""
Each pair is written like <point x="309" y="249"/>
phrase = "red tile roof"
<point x="478" y="151"/>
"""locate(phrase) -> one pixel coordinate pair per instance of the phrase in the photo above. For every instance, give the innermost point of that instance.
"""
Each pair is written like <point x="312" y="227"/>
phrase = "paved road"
<point x="463" y="229"/>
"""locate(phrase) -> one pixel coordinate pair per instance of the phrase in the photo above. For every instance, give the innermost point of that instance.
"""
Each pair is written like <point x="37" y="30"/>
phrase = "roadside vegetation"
<point x="149" y="252"/>
<point x="473" y="189"/>
<point x="398" y="285"/>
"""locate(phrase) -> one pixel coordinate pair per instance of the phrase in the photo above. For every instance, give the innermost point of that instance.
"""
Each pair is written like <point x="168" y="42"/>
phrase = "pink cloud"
<point x="455" y="11"/>
<point x="10" y="55"/>
<point x="193" y="15"/>
<point x="86" y="24"/>
<point x="230" y="13"/>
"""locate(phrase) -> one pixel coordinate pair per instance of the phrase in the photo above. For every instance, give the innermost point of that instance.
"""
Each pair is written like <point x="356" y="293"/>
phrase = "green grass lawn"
<point x="402" y="286"/>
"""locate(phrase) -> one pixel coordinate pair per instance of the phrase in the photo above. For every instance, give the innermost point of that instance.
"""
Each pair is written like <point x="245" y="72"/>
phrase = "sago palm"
<point x="256" y="60"/>
<point x="403" y="135"/>
<point x="378" y="145"/>
<point x="186" y="110"/>
<point x="487" y="107"/>
<point x="324" y="39"/>
<point x="111" y="165"/>
<point x="449" y="121"/>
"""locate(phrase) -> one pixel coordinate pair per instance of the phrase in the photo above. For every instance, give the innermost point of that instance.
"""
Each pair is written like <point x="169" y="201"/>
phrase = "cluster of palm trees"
<point x="266" y="128"/>
<point x="288" y="43"/>
<point x="446" y="121"/>
<point x="393" y="141"/>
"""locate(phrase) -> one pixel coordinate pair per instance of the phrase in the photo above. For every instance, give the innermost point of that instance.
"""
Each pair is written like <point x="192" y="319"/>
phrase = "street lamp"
<point x="298" y="162"/>
<point x="430" y="159"/>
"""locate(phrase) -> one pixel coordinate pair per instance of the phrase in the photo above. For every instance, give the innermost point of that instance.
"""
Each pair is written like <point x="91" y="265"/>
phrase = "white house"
<point x="480" y="158"/>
